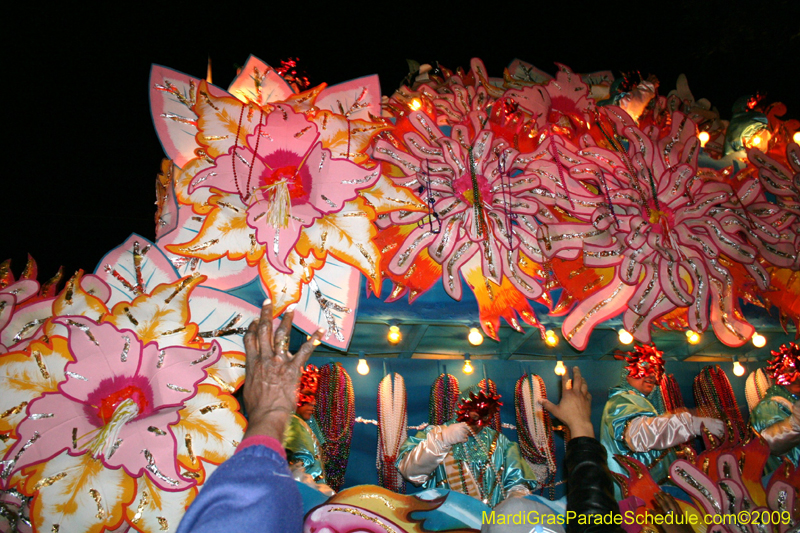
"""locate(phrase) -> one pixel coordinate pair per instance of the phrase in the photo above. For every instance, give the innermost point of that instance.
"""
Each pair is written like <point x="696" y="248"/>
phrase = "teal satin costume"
<point x="422" y="459"/>
<point x="776" y="408"/>
<point x="624" y="405"/>
<point x="303" y="442"/>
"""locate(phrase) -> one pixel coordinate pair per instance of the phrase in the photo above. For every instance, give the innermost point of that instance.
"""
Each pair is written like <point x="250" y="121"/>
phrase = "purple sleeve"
<point x="253" y="491"/>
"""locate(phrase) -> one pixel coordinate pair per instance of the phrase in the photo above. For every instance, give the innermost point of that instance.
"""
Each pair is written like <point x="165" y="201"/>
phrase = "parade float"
<point x="465" y="230"/>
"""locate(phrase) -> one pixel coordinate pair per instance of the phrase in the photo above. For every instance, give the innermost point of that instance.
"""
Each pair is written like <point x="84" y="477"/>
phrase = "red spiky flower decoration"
<point x="308" y="381"/>
<point x="644" y="360"/>
<point x="784" y="367"/>
<point x="484" y="403"/>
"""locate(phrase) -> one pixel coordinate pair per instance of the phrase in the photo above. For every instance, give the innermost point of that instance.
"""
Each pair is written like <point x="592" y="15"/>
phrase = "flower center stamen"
<point x="124" y="412"/>
<point x="279" y="187"/>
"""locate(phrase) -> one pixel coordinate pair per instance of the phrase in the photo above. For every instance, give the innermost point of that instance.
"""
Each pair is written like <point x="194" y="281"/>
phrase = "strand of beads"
<point x="492" y="387"/>
<point x="671" y="393"/>
<point x="336" y="414"/>
<point x="486" y="460"/>
<point x="714" y="397"/>
<point x="392" y="421"/>
<point x="535" y="429"/>
<point x="443" y="401"/>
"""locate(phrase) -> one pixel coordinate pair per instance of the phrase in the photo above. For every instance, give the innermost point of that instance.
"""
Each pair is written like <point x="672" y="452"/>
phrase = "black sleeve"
<point x="590" y="489"/>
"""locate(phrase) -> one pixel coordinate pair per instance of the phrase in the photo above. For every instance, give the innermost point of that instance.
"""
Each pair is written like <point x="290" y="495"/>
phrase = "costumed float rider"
<point x="468" y="456"/>
<point x="631" y="425"/>
<point x="777" y="415"/>
<point x="303" y="439"/>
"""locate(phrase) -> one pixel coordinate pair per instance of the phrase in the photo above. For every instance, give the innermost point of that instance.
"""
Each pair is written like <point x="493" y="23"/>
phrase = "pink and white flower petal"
<point x="259" y="83"/>
<point x="25" y="376"/>
<point x="210" y="428"/>
<point x="339" y="287"/>
<point x="174" y="373"/>
<point x="172" y="97"/>
<point x="355" y="99"/>
<point x="78" y="494"/>
<point x="222" y="273"/>
<point x="224" y="234"/>
<point x="466" y="251"/>
<point x="335" y="181"/>
<point x="600" y="306"/>
<point x="154" y="510"/>
<point x="419" y="238"/>
<point x="133" y="268"/>
<point x="728" y="328"/>
<point x="639" y="325"/>
<point x="347" y="234"/>
<point x="147" y="446"/>
<point x="161" y="316"/>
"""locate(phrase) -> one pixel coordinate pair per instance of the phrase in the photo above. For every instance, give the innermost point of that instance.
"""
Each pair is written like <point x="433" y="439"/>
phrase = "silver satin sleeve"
<point x="418" y="465"/>
<point x="784" y="435"/>
<point x="646" y="433"/>
<point x="299" y="474"/>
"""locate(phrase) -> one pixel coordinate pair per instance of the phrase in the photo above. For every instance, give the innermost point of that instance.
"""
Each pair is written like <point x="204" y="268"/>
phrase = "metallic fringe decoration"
<point x="392" y="423"/>
<point x="443" y="401"/>
<point x="671" y="393"/>
<point x="714" y="397"/>
<point x="496" y="424"/>
<point x="756" y="387"/>
<point x="336" y="414"/>
<point x="535" y="429"/>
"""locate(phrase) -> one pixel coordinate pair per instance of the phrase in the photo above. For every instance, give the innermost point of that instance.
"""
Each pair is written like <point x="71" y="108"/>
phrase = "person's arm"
<point x="783" y="435"/>
<point x="590" y="487"/>
<point x="254" y="489"/>
<point x="645" y="433"/>
<point x="419" y="456"/>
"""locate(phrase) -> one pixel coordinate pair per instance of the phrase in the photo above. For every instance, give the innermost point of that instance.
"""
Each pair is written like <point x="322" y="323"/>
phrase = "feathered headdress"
<point x="644" y="360"/>
<point x="784" y="367"/>
<point x="308" y="381"/>
<point x="485" y="403"/>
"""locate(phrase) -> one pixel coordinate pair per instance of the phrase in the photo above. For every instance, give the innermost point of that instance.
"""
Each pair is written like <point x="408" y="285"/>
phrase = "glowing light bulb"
<point x="692" y="336"/>
<point x="703" y="136"/>
<point x="394" y="335"/>
<point x="738" y="369"/>
<point x="363" y="367"/>
<point x="759" y="341"/>
<point x="550" y="337"/>
<point x="560" y="369"/>
<point x="796" y="137"/>
<point x="625" y="337"/>
<point x="415" y="104"/>
<point x="468" y="369"/>
<point x="756" y="141"/>
<point x="475" y="337"/>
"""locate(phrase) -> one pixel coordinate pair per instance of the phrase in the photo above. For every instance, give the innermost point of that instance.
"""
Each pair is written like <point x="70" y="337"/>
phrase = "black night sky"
<point x="81" y="154"/>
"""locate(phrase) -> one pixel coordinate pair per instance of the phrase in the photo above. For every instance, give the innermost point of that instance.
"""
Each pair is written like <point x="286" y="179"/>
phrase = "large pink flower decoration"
<point x="665" y="230"/>
<point x="118" y="404"/>
<point x="285" y="180"/>
<point x="481" y="225"/>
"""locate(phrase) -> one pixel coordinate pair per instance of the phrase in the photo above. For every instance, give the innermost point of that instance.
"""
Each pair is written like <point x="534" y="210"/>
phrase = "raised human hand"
<point x="455" y="433"/>
<point x="272" y="373"/>
<point x="575" y="406"/>
<point x="716" y="427"/>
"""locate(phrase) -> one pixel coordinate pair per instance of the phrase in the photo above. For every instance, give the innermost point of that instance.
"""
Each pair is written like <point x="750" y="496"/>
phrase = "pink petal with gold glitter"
<point x="356" y="99"/>
<point x="259" y="83"/>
